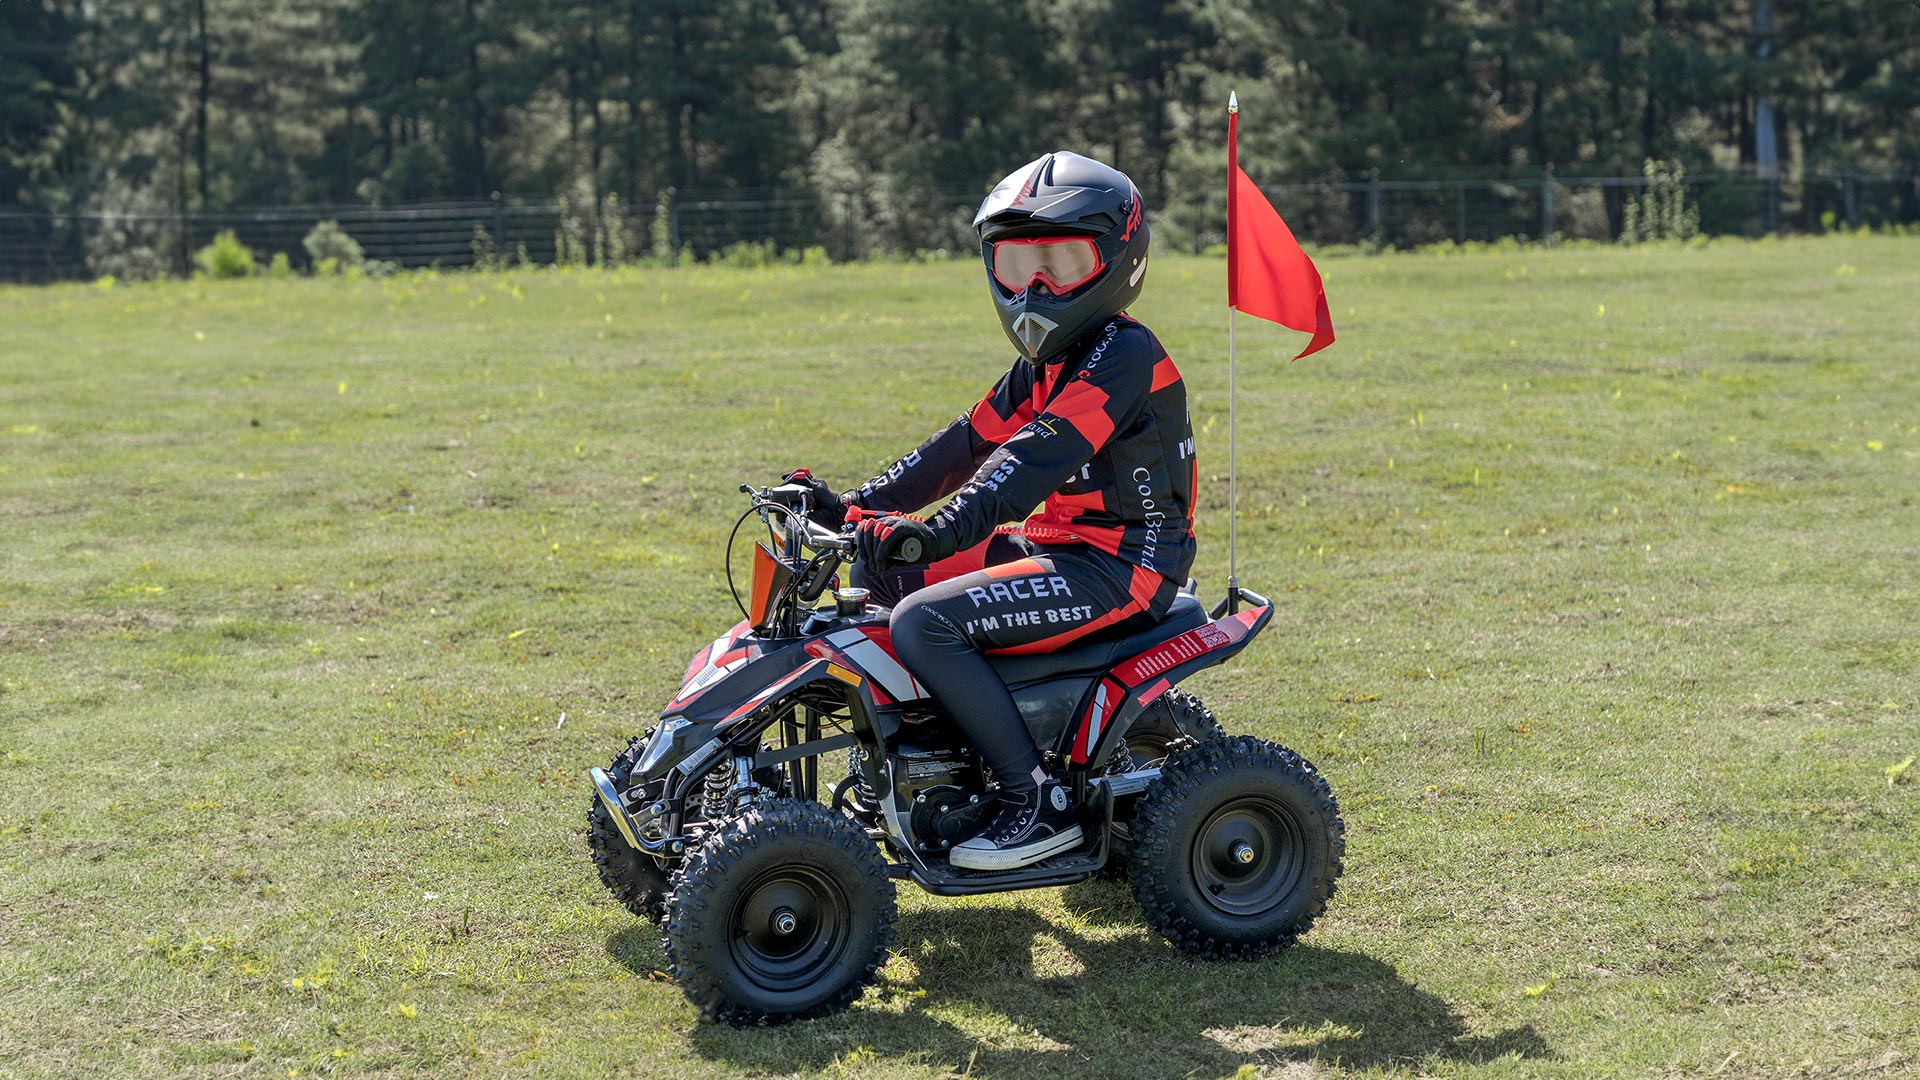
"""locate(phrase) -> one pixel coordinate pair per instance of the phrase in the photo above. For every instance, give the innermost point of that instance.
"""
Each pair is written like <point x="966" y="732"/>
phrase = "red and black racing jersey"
<point x="1102" y="436"/>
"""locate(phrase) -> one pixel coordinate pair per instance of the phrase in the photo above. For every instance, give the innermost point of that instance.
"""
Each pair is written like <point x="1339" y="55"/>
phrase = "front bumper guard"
<point x="622" y="820"/>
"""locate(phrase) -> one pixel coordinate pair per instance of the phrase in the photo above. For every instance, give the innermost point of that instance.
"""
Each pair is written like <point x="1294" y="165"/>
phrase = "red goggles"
<point x="1064" y="263"/>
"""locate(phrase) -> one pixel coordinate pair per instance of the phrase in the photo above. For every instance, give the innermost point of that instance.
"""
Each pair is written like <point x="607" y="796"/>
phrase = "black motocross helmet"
<point x="1049" y="294"/>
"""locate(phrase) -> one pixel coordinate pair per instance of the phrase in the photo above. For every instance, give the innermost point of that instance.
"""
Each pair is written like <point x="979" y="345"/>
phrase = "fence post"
<point x="1849" y="196"/>
<point x="1546" y="205"/>
<point x="673" y="225"/>
<point x="1373" y="205"/>
<point x="1773" y="203"/>
<point x="499" y="229"/>
<point x="1460" y="197"/>
<point x="847" y="253"/>
<point x="185" y="256"/>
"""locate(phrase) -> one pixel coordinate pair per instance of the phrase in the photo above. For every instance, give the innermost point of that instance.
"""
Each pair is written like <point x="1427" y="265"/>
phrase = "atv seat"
<point x="1185" y="614"/>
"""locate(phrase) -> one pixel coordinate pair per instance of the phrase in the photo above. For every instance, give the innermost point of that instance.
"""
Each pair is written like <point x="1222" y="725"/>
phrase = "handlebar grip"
<point x="910" y="550"/>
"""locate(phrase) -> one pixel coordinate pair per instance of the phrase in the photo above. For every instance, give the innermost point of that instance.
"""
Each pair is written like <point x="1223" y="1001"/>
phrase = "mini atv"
<point x="779" y="904"/>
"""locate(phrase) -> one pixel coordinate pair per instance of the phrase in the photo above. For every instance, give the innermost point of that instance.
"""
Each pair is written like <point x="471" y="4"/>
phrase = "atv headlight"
<point x="663" y="741"/>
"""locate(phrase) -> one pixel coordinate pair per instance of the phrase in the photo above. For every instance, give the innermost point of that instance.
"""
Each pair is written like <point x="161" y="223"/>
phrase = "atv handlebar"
<point x="821" y="538"/>
<point x="796" y="500"/>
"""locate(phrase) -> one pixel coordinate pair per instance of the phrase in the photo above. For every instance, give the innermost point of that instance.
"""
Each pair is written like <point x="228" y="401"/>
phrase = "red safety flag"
<point x="1268" y="276"/>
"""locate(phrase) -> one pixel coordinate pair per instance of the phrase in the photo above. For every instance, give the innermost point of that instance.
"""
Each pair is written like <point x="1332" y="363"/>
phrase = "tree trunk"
<point x="200" y="107"/>
<point x="597" y="85"/>
<point x="679" y="164"/>
<point x="476" y="108"/>
<point x="635" y="20"/>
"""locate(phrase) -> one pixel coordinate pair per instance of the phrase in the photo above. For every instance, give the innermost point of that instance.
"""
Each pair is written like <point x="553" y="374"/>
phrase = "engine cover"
<point x="937" y="789"/>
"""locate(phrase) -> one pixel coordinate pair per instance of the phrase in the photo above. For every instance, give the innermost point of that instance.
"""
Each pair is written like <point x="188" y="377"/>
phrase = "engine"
<point x="939" y="790"/>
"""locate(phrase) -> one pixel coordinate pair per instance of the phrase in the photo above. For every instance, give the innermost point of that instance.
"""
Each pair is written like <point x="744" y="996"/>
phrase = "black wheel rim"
<point x="1248" y="856"/>
<point x="791" y="926"/>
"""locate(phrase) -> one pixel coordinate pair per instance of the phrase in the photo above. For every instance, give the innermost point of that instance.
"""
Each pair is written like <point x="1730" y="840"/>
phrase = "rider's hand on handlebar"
<point x="829" y="508"/>
<point x="886" y="542"/>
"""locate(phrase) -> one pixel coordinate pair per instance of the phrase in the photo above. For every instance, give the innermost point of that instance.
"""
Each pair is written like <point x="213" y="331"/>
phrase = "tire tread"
<point x="1157" y="870"/>
<point x="691" y="947"/>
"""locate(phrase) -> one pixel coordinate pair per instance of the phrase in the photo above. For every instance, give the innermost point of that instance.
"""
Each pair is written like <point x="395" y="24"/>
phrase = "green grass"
<point x="1595" y="577"/>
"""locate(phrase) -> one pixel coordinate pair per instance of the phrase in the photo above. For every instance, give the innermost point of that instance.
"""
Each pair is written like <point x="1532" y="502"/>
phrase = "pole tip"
<point x="1233" y="101"/>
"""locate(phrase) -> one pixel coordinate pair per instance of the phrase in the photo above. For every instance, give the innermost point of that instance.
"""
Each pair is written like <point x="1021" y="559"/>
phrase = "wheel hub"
<point x="1248" y="855"/>
<point x="790" y="927"/>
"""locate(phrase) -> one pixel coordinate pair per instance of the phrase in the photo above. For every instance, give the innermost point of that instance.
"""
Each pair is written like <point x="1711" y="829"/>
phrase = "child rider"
<point x="1091" y="426"/>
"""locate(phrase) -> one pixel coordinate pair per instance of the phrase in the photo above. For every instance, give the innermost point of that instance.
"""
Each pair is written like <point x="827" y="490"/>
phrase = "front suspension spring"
<point x="713" y="799"/>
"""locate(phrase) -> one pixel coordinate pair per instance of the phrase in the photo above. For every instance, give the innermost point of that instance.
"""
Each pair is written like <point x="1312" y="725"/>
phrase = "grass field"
<point x="1596" y="586"/>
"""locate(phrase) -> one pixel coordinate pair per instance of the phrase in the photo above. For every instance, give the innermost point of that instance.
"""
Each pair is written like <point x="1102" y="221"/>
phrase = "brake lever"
<point x="909" y="553"/>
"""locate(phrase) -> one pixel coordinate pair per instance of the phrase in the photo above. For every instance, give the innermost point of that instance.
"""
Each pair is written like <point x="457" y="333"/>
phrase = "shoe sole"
<point x="1019" y="857"/>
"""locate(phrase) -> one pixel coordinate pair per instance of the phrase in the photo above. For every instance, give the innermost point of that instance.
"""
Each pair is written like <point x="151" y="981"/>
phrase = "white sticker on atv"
<point x="881" y="668"/>
<point x="710" y="674"/>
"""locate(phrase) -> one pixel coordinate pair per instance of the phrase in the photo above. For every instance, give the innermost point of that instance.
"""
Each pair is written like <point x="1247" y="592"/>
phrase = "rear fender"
<point x="1121" y="695"/>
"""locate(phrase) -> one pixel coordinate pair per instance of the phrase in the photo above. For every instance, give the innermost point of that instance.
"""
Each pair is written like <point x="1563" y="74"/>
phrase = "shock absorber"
<point x="713" y="799"/>
<point x="863" y="794"/>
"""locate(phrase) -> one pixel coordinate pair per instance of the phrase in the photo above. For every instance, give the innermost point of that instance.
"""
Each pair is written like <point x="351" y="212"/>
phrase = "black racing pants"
<point x="1009" y="595"/>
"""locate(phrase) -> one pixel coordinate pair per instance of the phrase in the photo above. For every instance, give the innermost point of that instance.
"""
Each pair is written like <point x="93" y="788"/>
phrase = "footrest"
<point x="942" y="878"/>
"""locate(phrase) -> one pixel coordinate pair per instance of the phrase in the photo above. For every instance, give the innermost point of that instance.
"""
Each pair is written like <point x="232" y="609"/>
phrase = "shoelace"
<point x="1011" y="822"/>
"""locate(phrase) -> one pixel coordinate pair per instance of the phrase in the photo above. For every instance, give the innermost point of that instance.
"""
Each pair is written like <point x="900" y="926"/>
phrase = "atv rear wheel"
<point x="633" y="876"/>
<point x="784" y="912"/>
<point x="1237" y="847"/>
<point x="1175" y="721"/>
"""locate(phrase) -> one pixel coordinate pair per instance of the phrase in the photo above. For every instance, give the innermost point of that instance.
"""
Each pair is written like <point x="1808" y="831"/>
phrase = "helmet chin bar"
<point x="1032" y="331"/>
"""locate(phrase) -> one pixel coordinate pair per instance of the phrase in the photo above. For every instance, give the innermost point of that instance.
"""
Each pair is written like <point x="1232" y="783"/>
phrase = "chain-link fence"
<point x="767" y="225"/>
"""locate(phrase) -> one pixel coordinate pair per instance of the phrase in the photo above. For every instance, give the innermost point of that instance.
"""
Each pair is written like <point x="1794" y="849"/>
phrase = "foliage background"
<point x="202" y="104"/>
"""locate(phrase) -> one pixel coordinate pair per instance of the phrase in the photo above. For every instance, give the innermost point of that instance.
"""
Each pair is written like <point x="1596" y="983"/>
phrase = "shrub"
<point x="132" y="238"/>
<point x="570" y="232"/>
<point x="281" y="267"/>
<point x="1583" y="213"/>
<point x="1665" y="211"/>
<point x="328" y="241"/>
<point x="660" y="236"/>
<point x="226" y="257"/>
<point x="486" y="253"/>
<point x="747" y="255"/>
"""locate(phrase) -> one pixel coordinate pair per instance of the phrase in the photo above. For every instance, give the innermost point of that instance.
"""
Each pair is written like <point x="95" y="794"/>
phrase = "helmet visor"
<point x="1064" y="263"/>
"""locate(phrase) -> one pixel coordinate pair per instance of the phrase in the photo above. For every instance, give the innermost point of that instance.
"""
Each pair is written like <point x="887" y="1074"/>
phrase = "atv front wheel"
<point x="634" y="878"/>
<point x="1236" y="848"/>
<point x="783" y="913"/>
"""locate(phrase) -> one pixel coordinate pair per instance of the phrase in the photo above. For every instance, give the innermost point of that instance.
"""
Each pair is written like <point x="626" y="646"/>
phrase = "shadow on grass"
<point x="1000" y="992"/>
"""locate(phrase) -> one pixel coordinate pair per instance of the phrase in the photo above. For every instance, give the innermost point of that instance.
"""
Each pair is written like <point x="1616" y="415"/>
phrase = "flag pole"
<point x="1233" y="426"/>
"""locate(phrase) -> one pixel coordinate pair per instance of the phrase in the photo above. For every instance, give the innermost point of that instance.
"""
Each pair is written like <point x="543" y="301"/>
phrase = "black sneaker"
<point x="1030" y="827"/>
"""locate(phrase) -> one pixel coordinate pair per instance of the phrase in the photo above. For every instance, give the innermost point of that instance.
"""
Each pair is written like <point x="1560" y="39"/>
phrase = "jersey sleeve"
<point x="1105" y="396"/>
<point x="955" y="452"/>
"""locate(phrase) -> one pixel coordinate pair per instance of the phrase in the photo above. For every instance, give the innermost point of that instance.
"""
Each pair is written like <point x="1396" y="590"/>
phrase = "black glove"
<point x="829" y="509"/>
<point x="887" y="542"/>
